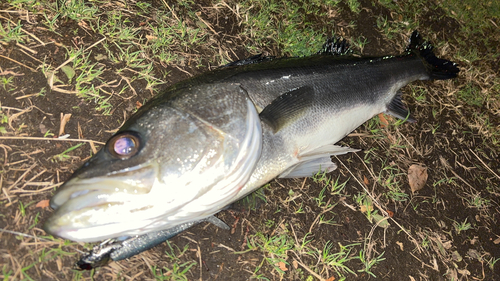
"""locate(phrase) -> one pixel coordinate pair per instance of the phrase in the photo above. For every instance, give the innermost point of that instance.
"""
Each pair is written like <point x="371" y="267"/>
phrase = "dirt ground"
<point x="303" y="229"/>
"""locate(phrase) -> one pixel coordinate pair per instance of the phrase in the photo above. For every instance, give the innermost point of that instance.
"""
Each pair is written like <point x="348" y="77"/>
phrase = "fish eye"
<point x="124" y="145"/>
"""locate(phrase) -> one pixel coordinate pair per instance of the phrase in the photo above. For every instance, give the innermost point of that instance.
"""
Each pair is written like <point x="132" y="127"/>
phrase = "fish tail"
<point x="438" y="69"/>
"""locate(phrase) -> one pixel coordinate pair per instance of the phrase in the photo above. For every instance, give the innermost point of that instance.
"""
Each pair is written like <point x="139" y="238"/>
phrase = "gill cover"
<point x="181" y="160"/>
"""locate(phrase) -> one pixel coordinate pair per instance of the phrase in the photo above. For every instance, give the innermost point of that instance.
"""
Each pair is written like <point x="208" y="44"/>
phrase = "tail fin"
<point x="439" y="69"/>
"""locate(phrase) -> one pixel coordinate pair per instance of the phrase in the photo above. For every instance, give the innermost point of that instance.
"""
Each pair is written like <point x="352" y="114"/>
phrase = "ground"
<point x="99" y="61"/>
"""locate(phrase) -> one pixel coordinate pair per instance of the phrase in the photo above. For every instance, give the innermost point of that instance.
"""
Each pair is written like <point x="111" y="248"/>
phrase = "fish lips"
<point x="91" y="209"/>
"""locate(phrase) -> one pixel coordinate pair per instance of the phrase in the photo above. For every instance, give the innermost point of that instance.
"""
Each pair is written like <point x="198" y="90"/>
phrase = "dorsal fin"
<point x="251" y="60"/>
<point x="335" y="46"/>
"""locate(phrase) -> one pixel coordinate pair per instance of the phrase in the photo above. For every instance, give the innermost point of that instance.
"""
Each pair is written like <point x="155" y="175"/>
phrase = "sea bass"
<point x="210" y="140"/>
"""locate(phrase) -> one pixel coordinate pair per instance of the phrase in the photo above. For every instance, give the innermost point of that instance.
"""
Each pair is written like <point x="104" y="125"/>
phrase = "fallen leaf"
<point x="390" y="213"/>
<point x="69" y="71"/>
<point x="474" y="254"/>
<point x="295" y="264"/>
<point x="43" y="129"/>
<point x="100" y="57"/>
<point x="456" y="256"/>
<point x="365" y="180"/>
<point x="330" y="279"/>
<point x="383" y="121"/>
<point x="364" y="208"/>
<point x="497" y="241"/>
<point x="138" y="104"/>
<point x="417" y="177"/>
<point x="43" y="204"/>
<point x="381" y="220"/>
<point x="282" y="266"/>
<point x="447" y="245"/>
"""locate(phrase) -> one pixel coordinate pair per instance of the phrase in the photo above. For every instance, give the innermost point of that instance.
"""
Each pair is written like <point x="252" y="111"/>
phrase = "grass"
<point x="338" y="260"/>
<point x="304" y="225"/>
<point x="64" y="155"/>
<point x="287" y="24"/>
<point x="178" y="270"/>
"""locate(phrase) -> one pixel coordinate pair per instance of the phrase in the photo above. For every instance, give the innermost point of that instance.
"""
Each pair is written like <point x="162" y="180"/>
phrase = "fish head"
<point x="167" y="165"/>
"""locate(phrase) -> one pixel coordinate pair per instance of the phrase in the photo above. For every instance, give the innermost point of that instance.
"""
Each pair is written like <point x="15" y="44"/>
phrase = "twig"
<point x="26" y="48"/>
<point x="384" y="212"/>
<point x="319" y="215"/>
<point x="32" y="57"/>
<point x="37" y="238"/>
<point x="201" y="262"/>
<point x="190" y="75"/>
<point x="206" y="23"/>
<point x="308" y="269"/>
<point x="22" y="176"/>
<point x="24" y="193"/>
<point x="486" y="166"/>
<point x="145" y="75"/>
<point x="172" y="11"/>
<point x="48" y="139"/>
<point x="15" y="61"/>
<point x="34" y="37"/>
<point x="10" y="108"/>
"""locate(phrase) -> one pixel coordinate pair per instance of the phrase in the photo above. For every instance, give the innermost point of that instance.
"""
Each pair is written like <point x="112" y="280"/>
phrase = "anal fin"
<point x="397" y="109"/>
<point x="217" y="222"/>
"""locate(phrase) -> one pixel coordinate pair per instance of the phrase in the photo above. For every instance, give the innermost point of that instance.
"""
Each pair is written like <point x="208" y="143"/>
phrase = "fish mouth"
<point x="93" y="209"/>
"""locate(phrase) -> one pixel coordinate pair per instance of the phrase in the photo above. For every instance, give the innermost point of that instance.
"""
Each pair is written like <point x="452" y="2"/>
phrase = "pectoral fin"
<point x="287" y="108"/>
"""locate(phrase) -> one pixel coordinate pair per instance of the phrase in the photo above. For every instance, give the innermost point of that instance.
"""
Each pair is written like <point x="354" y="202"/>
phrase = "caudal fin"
<point x="439" y="69"/>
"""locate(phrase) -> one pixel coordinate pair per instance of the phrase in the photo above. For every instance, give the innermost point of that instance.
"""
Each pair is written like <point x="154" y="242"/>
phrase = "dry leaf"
<point x="295" y="264"/>
<point x="330" y="279"/>
<point x="417" y="176"/>
<point x="282" y="266"/>
<point x="365" y="181"/>
<point x="43" y="204"/>
<point x="383" y="121"/>
<point x="138" y="104"/>
<point x="390" y="213"/>
<point x="497" y="241"/>
<point x="364" y="208"/>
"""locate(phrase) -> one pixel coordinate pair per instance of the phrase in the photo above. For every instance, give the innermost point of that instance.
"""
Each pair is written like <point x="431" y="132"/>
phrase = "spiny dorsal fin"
<point x="335" y="46"/>
<point x="287" y="107"/>
<point x="251" y="60"/>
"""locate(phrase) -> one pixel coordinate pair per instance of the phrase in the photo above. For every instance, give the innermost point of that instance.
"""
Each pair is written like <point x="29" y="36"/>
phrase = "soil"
<point x="421" y="242"/>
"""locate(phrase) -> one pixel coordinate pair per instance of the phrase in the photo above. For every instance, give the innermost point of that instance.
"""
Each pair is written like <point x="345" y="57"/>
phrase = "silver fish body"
<point x="208" y="141"/>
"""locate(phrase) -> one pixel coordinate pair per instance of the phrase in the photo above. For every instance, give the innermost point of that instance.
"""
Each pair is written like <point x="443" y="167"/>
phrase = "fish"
<point x="211" y="140"/>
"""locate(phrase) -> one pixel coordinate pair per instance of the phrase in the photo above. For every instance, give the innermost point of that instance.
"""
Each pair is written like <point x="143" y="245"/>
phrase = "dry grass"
<point x="101" y="61"/>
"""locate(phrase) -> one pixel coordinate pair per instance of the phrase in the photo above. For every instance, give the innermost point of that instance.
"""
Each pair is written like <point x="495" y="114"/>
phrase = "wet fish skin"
<point x="211" y="146"/>
<point x="304" y="106"/>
